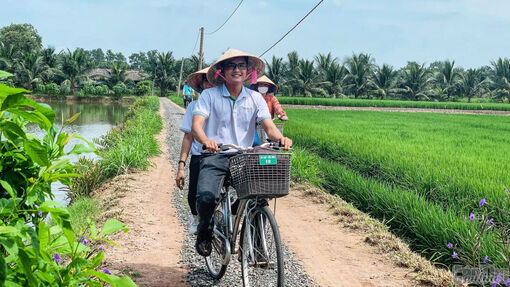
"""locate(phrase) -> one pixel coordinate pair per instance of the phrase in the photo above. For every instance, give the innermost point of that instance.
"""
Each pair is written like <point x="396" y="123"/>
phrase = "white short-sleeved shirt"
<point x="228" y="121"/>
<point x="187" y="120"/>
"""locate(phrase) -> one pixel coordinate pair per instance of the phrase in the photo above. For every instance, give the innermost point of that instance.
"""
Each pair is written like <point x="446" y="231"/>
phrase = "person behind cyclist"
<point x="187" y="94"/>
<point x="226" y="113"/>
<point x="197" y="81"/>
<point x="266" y="87"/>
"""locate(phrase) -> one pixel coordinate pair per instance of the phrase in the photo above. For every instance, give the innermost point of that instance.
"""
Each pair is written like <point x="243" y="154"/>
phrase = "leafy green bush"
<point x="102" y="90"/>
<point x="32" y="253"/>
<point x="89" y="89"/>
<point x="39" y="89"/>
<point x="65" y="91"/>
<point x="143" y="88"/>
<point x="119" y="89"/>
<point x="52" y="89"/>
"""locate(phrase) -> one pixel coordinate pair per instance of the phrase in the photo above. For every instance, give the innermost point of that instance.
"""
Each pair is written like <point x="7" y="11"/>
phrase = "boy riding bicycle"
<point x="227" y="114"/>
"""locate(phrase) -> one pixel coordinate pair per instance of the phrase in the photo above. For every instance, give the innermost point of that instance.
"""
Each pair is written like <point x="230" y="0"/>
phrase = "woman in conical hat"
<point x="198" y="80"/>
<point x="266" y="88"/>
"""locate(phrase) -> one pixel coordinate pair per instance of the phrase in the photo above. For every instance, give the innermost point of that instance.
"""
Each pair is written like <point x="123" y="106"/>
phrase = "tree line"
<point x="358" y="76"/>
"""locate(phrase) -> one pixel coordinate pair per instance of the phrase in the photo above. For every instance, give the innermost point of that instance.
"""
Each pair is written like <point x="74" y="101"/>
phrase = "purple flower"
<point x="107" y="271"/>
<point x="57" y="257"/>
<point x="490" y="221"/>
<point x="454" y="255"/>
<point x="101" y="248"/>
<point x="507" y="282"/>
<point x="498" y="278"/>
<point x="450" y="245"/>
<point x="482" y="202"/>
<point x="485" y="259"/>
<point x="40" y="213"/>
<point x="84" y="241"/>
<point x="494" y="284"/>
<point x="471" y="216"/>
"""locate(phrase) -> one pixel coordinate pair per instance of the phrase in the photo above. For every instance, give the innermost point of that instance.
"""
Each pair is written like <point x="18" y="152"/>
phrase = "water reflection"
<point x="94" y="121"/>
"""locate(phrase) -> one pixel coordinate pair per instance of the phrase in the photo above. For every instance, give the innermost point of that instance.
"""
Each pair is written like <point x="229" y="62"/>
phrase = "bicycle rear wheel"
<point x="217" y="262"/>
<point x="262" y="262"/>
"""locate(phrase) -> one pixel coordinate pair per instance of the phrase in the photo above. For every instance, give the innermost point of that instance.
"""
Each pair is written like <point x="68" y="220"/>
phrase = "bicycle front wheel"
<point x="261" y="250"/>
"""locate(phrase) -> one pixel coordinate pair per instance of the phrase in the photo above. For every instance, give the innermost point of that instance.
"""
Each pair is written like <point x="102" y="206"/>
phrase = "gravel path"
<point x="407" y="110"/>
<point x="197" y="271"/>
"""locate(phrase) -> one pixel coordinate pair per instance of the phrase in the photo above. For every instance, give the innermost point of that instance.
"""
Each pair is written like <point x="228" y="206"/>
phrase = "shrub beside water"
<point x="127" y="147"/>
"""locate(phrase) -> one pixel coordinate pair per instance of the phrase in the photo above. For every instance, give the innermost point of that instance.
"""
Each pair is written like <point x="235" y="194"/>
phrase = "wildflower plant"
<point x="483" y="226"/>
<point x="31" y="252"/>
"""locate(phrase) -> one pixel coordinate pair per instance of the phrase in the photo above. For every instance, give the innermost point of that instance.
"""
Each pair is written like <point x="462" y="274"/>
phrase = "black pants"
<point x="194" y="170"/>
<point x="213" y="170"/>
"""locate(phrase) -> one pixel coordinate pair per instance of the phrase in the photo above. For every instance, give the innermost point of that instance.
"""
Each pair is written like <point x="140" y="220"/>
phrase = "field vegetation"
<point x="422" y="174"/>
<point x="392" y="103"/>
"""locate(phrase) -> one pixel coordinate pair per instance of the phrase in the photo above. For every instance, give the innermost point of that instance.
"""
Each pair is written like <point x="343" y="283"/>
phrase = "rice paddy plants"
<point x="392" y="104"/>
<point x="422" y="173"/>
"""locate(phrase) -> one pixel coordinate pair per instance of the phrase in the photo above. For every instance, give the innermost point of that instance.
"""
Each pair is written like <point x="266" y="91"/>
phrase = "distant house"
<point x="100" y="75"/>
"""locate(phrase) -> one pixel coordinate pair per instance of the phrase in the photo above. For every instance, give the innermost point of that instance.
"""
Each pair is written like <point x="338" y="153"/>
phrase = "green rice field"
<point x="392" y="104"/>
<point x="421" y="173"/>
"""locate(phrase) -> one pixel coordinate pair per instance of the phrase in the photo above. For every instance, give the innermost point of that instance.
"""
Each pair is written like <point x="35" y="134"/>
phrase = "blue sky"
<point x="471" y="32"/>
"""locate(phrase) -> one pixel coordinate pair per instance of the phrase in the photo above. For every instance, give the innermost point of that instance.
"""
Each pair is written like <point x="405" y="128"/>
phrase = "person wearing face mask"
<point x="198" y="82"/>
<point x="266" y="87"/>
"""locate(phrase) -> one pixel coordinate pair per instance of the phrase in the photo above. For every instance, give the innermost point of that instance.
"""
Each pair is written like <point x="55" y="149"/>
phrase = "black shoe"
<point x="203" y="244"/>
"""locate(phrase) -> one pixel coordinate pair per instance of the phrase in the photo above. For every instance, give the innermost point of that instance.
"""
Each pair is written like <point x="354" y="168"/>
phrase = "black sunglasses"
<point x="233" y="66"/>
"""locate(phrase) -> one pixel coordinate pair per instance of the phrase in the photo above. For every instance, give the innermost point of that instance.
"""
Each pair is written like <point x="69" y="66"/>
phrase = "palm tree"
<point x="333" y="79"/>
<point x="384" y="81"/>
<point x="500" y="78"/>
<point x="447" y="78"/>
<point x="74" y="65"/>
<point x="6" y="57"/>
<point x="164" y="73"/>
<point x="117" y="73"/>
<point x="472" y="83"/>
<point x="31" y="69"/>
<point x="293" y="59"/>
<point x="415" y="81"/>
<point x="324" y="62"/>
<point x="276" y="70"/>
<point x="306" y="79"/>
<point x="359" y="69"/>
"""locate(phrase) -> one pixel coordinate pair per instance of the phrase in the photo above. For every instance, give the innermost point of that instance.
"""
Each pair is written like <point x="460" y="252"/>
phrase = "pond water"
<point x="95" y="120"/>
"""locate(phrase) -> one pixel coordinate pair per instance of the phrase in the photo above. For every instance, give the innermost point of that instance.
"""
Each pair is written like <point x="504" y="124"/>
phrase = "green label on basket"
<point x="267" y="159"/>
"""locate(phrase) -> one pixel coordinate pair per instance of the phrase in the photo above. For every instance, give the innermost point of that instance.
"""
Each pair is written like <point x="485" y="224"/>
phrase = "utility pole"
<point x="180" y="78"/>
<point x="201" y="52"/>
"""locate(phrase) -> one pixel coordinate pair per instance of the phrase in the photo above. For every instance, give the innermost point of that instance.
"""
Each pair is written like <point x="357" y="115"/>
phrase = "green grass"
<point x="392" y="103"/>
<point x="178" y="100"/>
<point x="423" y="172"/>
<point x="80" y="210"/>
<point x="134" y="144"/>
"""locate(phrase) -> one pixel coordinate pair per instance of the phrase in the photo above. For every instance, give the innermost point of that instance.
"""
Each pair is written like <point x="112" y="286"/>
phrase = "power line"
<point x="240" y="2"/>
<point x="196" y="41"/>
<point x="291" y="29"/>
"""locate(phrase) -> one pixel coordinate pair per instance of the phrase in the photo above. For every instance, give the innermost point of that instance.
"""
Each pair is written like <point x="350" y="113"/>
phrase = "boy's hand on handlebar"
<point x="284" y="118"/>
<point x="211" y="146"/>
<point x="286" y="143"/>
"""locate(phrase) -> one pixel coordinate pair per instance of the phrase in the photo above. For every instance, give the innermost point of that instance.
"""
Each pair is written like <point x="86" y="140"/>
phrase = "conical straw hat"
<point x="254" y="62"/>
<point x="196" y="79"/>
<point x="266" y="80"/>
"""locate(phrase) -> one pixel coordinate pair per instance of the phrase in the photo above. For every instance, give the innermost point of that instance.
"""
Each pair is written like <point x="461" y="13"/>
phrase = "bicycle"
<point x="187" y="100"/>
<point x="251" y="232"/>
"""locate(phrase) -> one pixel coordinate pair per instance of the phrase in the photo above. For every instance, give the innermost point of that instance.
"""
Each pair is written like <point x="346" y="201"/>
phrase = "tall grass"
<point x="122" y="149"/>
<point x="133" y="147"/>
<point x="424" y="172"/>
<point x="426" y="226"/>
<point x="392" y="104"/>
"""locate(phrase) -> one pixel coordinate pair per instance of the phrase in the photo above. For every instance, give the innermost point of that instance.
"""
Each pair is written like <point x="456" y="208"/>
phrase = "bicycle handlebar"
<point x="225" y="147"/>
